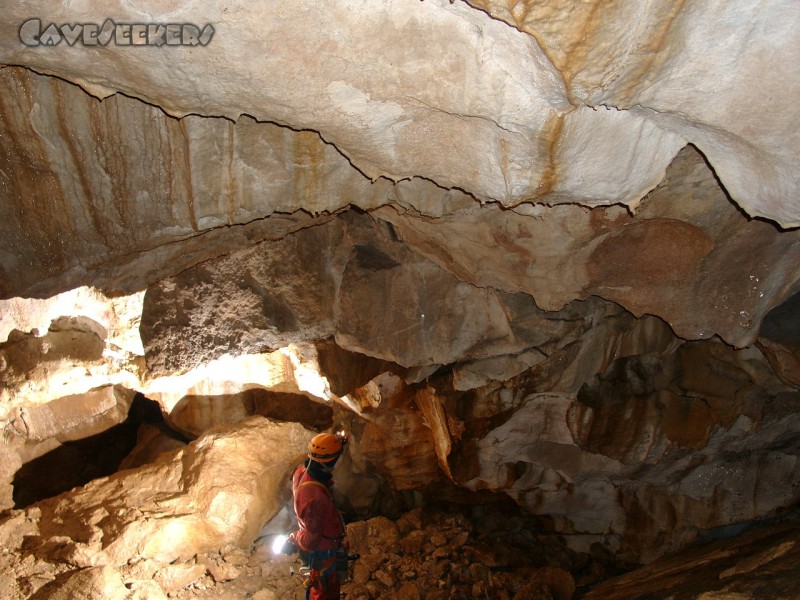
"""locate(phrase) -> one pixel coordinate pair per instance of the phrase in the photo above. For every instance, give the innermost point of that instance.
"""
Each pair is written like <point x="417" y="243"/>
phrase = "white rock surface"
<point x="444" y="92"/>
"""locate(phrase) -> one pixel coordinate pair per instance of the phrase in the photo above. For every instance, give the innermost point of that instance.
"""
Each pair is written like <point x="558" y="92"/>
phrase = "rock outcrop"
<point x="760" y="563"/>
<point x="216" y="492"/>
<point x="539" y="253"/>
<point x="445" y="92"/>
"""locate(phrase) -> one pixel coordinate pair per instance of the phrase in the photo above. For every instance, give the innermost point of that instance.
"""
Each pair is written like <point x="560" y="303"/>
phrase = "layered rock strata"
<point x="544" y="250"/>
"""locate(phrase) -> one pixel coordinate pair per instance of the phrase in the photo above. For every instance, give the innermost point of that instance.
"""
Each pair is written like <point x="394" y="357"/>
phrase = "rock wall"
<point x="759" y="563"/>
<point x="538" y="250"/>
<point x="649" y="454"/>
<point x="609" y="427"/>
<point x="512" y="107"/>
<point x="218" y="490"/>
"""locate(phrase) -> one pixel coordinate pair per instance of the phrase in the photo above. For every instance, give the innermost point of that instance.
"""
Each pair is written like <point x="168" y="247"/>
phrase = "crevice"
<point x="75" y="463"/>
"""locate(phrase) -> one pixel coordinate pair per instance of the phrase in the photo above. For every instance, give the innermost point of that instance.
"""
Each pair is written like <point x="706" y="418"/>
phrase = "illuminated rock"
<point x="218" y="490"/>
<point x="545" y="250"/>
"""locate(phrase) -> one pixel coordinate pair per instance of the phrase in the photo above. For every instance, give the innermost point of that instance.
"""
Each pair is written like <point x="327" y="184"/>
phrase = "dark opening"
<point x="782" y="323"/>
<point x="78" y="462"/>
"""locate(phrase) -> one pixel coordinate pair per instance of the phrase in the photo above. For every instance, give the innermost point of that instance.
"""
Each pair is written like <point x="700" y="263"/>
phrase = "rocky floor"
<point x="435" y="556"/>
<point x="438" y="556"/>
<point x="445" y="557"/>
<point x="420" y="555"/>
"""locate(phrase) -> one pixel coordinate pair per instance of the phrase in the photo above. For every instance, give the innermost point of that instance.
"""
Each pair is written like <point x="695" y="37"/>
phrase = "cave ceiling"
<point x="548" y="249"/>
<point x="557" y="149"/>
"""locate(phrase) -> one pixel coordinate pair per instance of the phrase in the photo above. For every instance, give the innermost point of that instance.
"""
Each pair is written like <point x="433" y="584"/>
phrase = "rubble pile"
<point x="443" y="556"/>
<point x="420" y="555"/>
<point x="423" y="554"/>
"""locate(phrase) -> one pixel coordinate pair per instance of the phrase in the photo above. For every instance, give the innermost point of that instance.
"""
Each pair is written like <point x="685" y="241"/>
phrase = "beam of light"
<point x="278" y="542"/>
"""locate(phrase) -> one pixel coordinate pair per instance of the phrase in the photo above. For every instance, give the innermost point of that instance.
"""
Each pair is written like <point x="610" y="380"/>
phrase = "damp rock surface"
<point x="553" y="243"/>
<point x="428" y="554"/>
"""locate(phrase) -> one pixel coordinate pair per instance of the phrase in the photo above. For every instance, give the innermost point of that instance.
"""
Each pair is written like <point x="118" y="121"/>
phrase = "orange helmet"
<point x="326" y="447"/>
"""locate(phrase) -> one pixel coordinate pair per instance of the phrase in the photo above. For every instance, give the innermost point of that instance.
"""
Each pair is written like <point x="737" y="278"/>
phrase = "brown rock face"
<point x="687" y="255"/>
<point x="542" y="254"/>
<point x="664" y="249"/>
<point x="217" y="490"/>
<point x="759" y="564"/>
<point x="657" y="443"/>
<point x="253" y="301"/>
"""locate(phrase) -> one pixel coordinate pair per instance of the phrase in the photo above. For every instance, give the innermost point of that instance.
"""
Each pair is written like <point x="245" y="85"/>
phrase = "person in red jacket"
<point x="321" y="528"/>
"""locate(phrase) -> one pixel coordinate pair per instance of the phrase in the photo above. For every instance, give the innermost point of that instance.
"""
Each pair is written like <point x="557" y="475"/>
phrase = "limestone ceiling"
<point x="526" y="147"/>
<point x="491" y="227"/>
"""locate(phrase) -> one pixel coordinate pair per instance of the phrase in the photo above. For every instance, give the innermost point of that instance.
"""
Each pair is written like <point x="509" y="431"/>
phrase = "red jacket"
<point x="321" y="525"/>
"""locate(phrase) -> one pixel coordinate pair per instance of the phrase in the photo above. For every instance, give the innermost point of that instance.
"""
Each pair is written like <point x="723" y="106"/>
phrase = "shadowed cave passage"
<point x="192" y="415"/>
<point x="782" y="323"/>
<point x="75" y="463"/>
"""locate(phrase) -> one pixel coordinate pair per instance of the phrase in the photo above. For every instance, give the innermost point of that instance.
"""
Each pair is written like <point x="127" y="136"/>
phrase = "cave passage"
<point x="782" y="323"/>
<point x="78" y="462"/>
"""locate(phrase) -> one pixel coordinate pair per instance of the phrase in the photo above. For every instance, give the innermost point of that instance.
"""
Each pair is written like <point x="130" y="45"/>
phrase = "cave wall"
<point x="518" y="92"/>
<point x="607" y="426"/>
<point x="542" y="250"/>
<point x="580" y="118"/>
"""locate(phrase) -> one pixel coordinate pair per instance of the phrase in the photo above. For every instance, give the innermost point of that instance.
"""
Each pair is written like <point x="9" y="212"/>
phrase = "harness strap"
<point x="314" y="482"/>
<point x="322" y="554"/>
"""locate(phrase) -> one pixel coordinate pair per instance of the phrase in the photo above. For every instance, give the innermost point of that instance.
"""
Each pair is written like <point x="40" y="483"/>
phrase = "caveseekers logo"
<point x="122" y="34"/>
